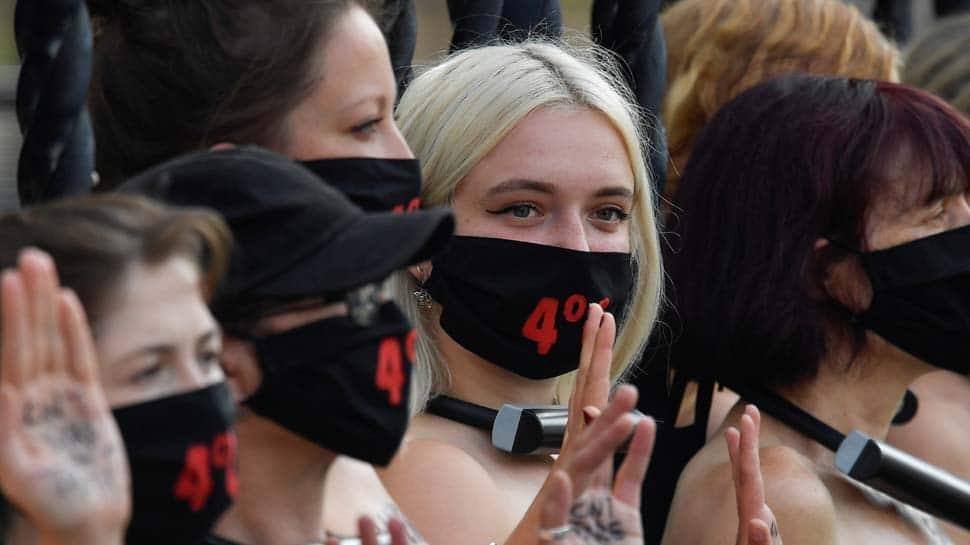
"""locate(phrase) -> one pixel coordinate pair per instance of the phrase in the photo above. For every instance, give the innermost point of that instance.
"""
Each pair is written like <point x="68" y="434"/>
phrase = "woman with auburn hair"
<point x="821" y="264"/>
<point x="538" y="152"/>
<point x="718" y="48"/>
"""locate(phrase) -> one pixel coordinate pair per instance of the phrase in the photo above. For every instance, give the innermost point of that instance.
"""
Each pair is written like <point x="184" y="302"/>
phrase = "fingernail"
<point x="589" y="415"/>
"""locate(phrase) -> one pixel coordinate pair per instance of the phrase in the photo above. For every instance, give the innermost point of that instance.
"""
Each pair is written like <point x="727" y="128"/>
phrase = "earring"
<point x="421" y="295"/>
<point x="423" y="298"/>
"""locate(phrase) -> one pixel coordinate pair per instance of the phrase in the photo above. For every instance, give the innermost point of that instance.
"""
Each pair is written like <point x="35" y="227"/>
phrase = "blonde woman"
<point x="538" y="153"/>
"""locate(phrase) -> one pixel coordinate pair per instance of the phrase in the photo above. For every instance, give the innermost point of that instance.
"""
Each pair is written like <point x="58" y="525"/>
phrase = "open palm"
<point x="62" y="461"/>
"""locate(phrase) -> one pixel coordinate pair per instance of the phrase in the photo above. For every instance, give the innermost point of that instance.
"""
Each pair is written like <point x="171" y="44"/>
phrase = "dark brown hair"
<point x="94" y="240"/>
<point x="172" y="76"/>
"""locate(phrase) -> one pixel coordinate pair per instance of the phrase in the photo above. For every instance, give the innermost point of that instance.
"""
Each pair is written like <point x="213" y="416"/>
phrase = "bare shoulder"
<point x="705" y="492"/>
<point x="445" y="492"/>
<point x="352" y="489"/>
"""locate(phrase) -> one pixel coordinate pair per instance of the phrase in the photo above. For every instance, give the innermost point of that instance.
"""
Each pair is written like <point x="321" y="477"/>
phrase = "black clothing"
<point x="895" y="17"/>
<point x="478" y="22"/>
<point x="400" y="26"/>
<point x="632" y="30"/>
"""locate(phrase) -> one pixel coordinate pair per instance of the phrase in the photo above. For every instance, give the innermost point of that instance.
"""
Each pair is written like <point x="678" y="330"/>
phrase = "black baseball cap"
<point x="294" y="235"/>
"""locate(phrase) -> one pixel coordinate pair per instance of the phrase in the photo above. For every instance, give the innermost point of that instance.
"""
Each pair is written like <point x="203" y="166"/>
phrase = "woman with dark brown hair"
<point x="309" y="79"/>
<point x="140" y="274"/>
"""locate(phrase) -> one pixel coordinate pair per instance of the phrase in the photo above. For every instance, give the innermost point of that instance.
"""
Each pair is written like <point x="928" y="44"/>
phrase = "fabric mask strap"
<point x="790" y="414"/>
<point x="702" y="408"/>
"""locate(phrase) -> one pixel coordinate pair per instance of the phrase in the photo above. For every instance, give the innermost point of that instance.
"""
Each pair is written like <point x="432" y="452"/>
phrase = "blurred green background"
<point x="8" y="52"/>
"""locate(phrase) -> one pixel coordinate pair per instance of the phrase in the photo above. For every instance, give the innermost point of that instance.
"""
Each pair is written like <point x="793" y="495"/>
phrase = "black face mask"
<point x="376" y="185"/>
<point x="921" y="298"/>
<point x="340" y="385"/>
<point x="522" y="306"/>
<point x="182" y="454"/>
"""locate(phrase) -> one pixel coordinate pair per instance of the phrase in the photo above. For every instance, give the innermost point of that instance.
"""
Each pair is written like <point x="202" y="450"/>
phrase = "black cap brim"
<point x="367" y="250"/>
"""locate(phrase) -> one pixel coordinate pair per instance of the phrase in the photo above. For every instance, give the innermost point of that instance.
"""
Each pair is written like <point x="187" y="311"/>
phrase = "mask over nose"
<point x="522" y="306"/>
<point x="376" y="185"/>
<point x="182" y="454"/>
<point x="339" y="383"/>
<point x="921" y="298"/>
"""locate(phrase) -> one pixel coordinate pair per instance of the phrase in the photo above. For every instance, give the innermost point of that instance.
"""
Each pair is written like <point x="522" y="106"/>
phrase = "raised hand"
<point x="581" y="503"/>
<point x="756" y="522"/>
<point x="62" y="461"/>
<point x="600" y="515"/>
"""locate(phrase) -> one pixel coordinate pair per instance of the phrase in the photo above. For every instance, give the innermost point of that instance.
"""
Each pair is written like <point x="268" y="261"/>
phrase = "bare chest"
<point x="865" y="517"/>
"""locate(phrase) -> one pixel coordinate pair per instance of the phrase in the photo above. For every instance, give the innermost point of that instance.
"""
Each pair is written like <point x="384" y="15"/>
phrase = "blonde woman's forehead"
<point x="575" y="149"/>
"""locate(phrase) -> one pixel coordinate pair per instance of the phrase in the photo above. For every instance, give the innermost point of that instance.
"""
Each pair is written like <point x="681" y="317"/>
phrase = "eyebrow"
<point x="520" y="184"/>
<point x="380" y="98"/>
<point x="163" y="349"/>
<point x="615" y="191"/>
<point x="523" y="184"/>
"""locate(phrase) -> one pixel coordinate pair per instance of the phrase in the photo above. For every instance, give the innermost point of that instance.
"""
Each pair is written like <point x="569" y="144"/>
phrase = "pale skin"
<point x="561" y="177"/>
<point x="944" y="409"/>
<point x="63" y="462"/>
<point x="348" y="113"/>
<point x="815" y="505"/>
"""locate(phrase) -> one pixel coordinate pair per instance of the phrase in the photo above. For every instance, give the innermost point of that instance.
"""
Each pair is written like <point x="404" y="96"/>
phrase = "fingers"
<point x="40" y="281"/>
<point x="733" y="438"/>
<point x="750" y="484"/>
<point x="594" y="316"/>
<point x="758" y="533"/>
<point x="629" y="478"/>
<point x="81" y="355"/>
<point x="367" y="531"/>
<point x="744" y="453"/>
<point x="557" y="501"/>
<point x="398" y="531"/>
<point x="597" y="391"/>
<point x="16" y="331"/>
<point x="596" y="445"/>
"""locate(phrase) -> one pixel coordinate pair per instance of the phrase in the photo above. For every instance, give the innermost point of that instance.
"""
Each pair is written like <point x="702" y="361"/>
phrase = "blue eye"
<point x="522" y="211"/>
<point x="611" y="214"/>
